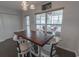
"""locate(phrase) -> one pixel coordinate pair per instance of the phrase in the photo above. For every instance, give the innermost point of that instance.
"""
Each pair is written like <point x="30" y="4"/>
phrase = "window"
<point x="50" y="20"/>
<point x="27" y="23"/>
<point x="54" y="18"/>
<point x="40" y="21"/>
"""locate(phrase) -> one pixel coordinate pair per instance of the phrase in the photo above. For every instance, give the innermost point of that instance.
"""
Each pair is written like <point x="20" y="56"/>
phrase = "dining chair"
<point x="23" y="47"/>
<point x="49" y="50"/>
<point x="35" y="49"/>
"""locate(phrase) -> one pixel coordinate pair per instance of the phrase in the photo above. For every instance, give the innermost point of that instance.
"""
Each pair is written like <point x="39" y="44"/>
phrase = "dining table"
<point x="39" y="38"/>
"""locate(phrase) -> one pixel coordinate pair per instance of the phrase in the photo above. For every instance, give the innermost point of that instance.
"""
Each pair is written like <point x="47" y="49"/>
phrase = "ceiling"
<point x="15" y="5"/>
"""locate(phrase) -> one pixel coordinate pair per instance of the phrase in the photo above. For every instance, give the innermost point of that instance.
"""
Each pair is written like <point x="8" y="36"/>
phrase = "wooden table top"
<point x="39" y="38"/>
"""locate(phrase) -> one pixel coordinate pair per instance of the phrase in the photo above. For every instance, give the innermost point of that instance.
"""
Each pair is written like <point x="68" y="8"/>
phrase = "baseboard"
<point x="2" y="40"/>
<point x="5" y="39"/>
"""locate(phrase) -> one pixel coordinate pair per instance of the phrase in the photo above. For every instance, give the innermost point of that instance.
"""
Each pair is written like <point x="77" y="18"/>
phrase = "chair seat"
<point x="47" y="48"/>
<point x="24" y="47"/>
<point x="45" y="53"/>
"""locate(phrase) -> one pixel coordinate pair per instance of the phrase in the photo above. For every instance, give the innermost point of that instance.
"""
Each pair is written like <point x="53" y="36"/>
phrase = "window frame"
<point x="46" y="18"/>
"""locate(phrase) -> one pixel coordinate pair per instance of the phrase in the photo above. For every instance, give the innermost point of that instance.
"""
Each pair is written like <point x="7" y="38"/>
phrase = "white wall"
<point x="70" y="27"/>
<point x="9" y="23"/>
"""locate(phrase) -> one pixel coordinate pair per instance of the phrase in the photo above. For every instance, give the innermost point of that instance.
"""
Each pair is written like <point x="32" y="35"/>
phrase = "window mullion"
<point x="46" y="21"/>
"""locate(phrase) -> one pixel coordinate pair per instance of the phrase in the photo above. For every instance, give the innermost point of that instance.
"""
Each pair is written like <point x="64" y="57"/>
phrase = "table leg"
<point x="39" y="51"/>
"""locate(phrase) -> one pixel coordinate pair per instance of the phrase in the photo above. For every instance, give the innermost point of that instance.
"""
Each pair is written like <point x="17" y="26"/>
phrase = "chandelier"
<point x="25" y="5"/>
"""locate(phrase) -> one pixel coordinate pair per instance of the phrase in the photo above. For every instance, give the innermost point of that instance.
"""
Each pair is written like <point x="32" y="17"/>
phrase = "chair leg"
<point x="25" y="55"/>
<point x="30" y="54"/>
<point x="19" y="55"/>
<point x="51" y="50"/>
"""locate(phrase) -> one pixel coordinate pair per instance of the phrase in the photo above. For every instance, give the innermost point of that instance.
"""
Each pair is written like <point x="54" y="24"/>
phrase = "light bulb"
<point x="32" y="6"/>
<point x="24" y="5"/>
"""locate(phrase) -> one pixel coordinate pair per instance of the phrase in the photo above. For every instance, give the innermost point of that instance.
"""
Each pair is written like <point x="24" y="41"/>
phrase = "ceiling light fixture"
<point x="32" y="6"/>
<point x="25" y="5"/>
